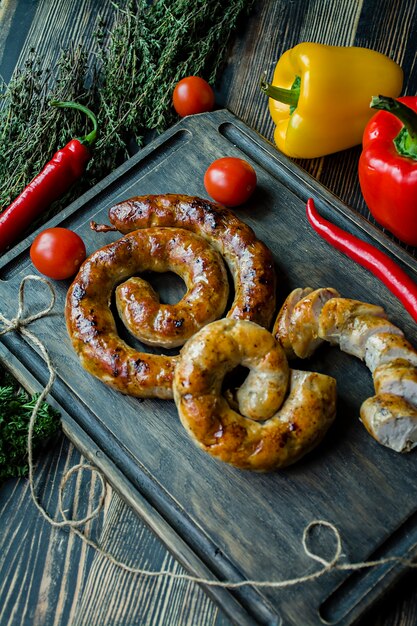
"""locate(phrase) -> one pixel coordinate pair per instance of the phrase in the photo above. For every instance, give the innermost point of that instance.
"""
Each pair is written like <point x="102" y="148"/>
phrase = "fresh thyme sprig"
<point x="31" y="130"/>
<point x="151" y="47"/>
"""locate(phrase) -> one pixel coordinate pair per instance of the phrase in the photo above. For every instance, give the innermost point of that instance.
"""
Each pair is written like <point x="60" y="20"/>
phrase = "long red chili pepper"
<point x="65" y="167"/>
<point x="369" y="257"/>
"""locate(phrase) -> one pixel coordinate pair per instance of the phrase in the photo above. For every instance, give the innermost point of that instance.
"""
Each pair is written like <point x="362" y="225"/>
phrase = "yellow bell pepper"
<point x="319" y="97"/>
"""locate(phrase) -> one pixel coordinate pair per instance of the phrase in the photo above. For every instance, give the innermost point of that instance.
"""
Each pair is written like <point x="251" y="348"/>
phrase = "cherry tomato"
<point x="57" y="253"/>
<point x="192" y="95"/>
<point x="230" y="181"/>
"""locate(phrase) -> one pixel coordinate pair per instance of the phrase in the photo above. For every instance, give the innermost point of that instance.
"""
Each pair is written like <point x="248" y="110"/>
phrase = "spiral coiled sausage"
<point x="249" y="260"/>
<point x="90" y="321"/>
<point x="91" y="324"/>
<point x="282" y="414"/>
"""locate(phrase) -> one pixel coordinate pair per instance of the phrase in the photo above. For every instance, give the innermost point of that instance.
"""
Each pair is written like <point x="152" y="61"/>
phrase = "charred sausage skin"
<point x="203" y="271"/>
<point x="90" y="321"/>
<point x="249" y="260"/>
<point x="283" y="413"/>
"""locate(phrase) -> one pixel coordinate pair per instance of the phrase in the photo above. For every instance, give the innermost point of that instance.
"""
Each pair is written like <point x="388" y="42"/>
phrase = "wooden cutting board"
<point x="221" y="522"/>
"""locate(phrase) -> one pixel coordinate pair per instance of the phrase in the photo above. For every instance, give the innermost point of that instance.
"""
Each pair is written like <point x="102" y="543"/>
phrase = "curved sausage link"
<point x="296" y="323"/>
<point x="362" y="330"/>
<point x="90" y="321"/>
<point x="300" y="405"/>
<point x="281" y="328"/>
<point x="205" y="277"/>
<point x="249" y="260"/>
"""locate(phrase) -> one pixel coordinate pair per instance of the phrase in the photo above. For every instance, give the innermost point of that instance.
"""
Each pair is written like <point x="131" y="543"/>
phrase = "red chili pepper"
<point x="369" y="257"/>
<point x="388" y="166"/>
<point x="65" y="167"/>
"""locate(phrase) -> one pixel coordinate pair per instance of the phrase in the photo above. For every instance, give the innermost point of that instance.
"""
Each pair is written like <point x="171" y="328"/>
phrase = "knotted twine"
<point x="19" y="324"/>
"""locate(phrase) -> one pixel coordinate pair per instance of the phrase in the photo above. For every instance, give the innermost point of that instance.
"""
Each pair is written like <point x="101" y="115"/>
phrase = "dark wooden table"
<point x="49" y="577"/>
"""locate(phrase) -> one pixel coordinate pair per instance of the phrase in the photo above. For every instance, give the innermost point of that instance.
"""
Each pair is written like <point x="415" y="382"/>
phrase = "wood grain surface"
<point x="49" y="577"/>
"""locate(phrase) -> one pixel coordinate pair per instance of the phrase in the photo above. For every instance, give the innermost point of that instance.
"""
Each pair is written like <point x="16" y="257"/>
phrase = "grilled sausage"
<point x="300" y="405"/>
<point x="362" y="329"/>
<point x="249" y="260"/>
<point x="204" y="274"/>
<point x="281" y="329"/>
<point x="90" y="321"/>
<point x="297" y="320"/>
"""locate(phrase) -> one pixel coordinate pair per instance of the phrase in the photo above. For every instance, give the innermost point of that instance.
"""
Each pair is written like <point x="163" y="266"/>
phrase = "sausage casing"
<point x="249" y="260"/>
<point x="91" y="323"/>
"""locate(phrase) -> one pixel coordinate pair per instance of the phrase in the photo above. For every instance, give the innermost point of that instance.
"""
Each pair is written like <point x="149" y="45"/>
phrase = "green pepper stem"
<point x="92" y="136"/>
<point x="406" y="141"/>
<point x="286" y="96"/>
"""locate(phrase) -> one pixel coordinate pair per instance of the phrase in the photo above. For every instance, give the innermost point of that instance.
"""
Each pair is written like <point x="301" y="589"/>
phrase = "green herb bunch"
<point x="31" y="130"/>
<point x="16" y="407"/>
<point x="151" y="47"/>
<point x="127" y="79"/>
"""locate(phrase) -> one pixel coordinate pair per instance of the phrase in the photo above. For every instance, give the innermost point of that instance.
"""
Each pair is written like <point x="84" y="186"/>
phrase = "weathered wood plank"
<point x="54" y="578"/>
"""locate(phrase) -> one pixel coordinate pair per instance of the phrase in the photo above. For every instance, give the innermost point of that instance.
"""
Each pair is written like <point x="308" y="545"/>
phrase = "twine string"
<point x="19" y="324"/>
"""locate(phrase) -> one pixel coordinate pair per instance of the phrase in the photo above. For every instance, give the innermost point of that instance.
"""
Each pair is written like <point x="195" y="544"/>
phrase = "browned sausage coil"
<point x="249" y="260"/>
<point x="90" y="321"/>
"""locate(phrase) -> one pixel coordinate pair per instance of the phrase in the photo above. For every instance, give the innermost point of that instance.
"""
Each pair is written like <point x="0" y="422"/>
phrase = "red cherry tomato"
<point x="57" y="253"/>
<point x="230" y="181"/>
<point x="192" y="95"/>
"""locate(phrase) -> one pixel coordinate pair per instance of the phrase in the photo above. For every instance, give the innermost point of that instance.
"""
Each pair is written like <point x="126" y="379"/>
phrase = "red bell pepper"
<point x="388" y="166"/>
